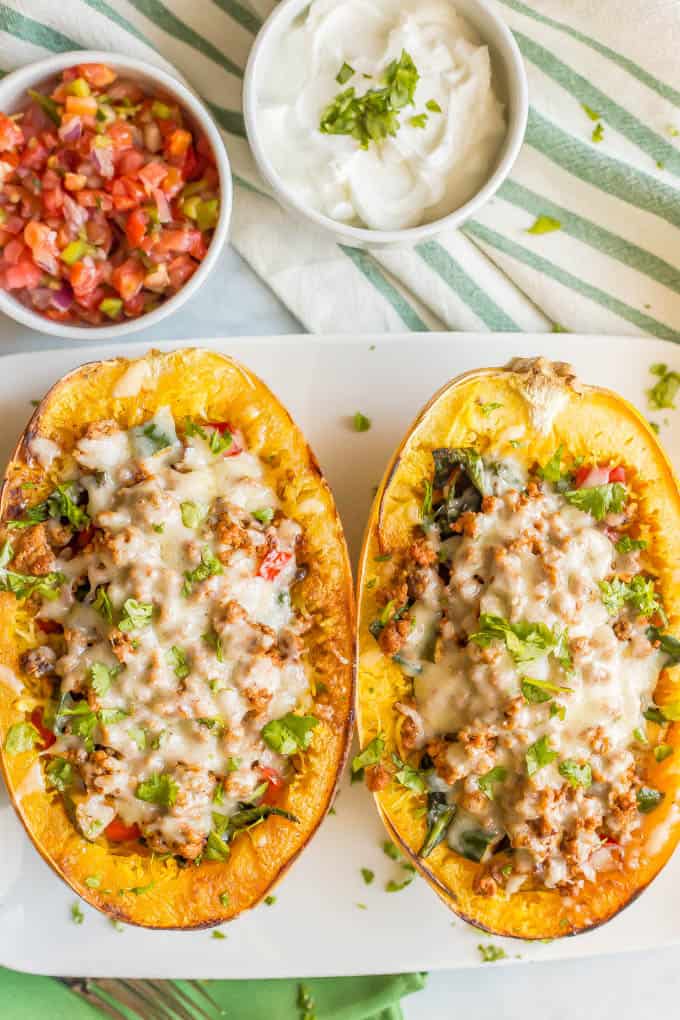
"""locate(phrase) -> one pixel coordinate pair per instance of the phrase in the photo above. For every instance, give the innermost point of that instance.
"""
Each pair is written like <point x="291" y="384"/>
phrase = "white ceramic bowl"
<point x="13" y="96"/>
<point x="511" y="85"/>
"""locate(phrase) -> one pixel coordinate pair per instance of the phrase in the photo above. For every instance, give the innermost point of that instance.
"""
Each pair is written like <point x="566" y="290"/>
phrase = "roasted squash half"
<point x="468" y="740"/>
<point x="127" y="878"/>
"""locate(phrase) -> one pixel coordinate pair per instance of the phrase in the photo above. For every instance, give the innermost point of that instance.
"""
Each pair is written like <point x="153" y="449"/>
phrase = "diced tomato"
<point x="47" y="736"/>
<point x="127" y="194"/>
<point x="93" y="198"/>
<point x="177" y="144"/>
<point x="84" y="277"/>
<point x="11" y="134"/>
<point x="178" y="240"/>
<point x="180" y="270"/>
<point x="135" y="306"/>
<point x="118" y="832"/>
<point x="617" y="474"/>
<point x="128" y="278"/>
<point x="53" y="200"/>
<point x="14" y="251"/>
<point x="273" y="563"/>
<point x="135" y="228"/>
<point x="173" y="182"/>
<point x="151" y="175"/>
<point x="589" y="477"/>
<point x="23" y="274"/>
<point x="121" y="135"/>
<point x="97" y="75"/>
<point x="276" y="783"/>
<point x="130" y="162"/>
<point x="191" y="166"/>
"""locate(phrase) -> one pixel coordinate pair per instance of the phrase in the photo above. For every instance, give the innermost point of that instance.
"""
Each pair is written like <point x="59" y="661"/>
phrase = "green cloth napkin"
<point x="376" y="997"/>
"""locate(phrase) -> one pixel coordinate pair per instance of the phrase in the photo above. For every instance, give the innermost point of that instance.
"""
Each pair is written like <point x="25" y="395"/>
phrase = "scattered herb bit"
<point x="490" y="953"/>
<point x="270" y="900"/>
<point x="265" y="515"/>
<point x="367" y="875"/>
<point x="391" y="851"/>
<point x="116" y="924"/>
<point x="654" y="426"/>
<point x="21" y="736"/>
<point x="648" y="799"/>
<point x="158" y="439"/>
<point x="102" y="604"/>
<point x="177" y="658"/>
<point x="159" y="528"/>
<point x="557" y="709"/>
<point x="373" y="116"/>
<point x="599" y="500"/>
<point x="289" y="734"/>
<point x="213" y="639"/>
<point x="663" y="751"/>
<point x="627" y="544"/>
<point x="536" y="692"/>
<point x="538" y="756"/>
<point x="544" y="225"/>
<point x="407" y="776"/>
<point x="101" y="677"/>
<point x="394" y="886"/>
<point x="370" y="755"/>
<point x="361" y="906"/>
<point x="598" y="132"/>
<point x="135" y="615"/>
<point x="216" y="934"/>
<point x="639" y="735"/>
<point x="224" y="899"/>
<point x="663" y="393"/>
<point x="208" y="567"/>
<point x="344" y="74"/>
<point x="525" y="641"/>
<point x="160" y="788"/>
<point x="93" y="881"/>
<point x="639" y="593"/>
<point x="77" y="915"/>
<point x="495" y="775"/>
<point x="22" y="586"/>
<point x="433" y="106"/>
<point x="192" y="514"/>
<point x="593" y="114"/>
<point x="215" y="848"/>
<point x="419" y="120"/>
<point x="552" y="470"/>
<point x="360" y="422"/>
<point x="60" y="774"/>
<point x="576" y="774"/>
<point x="487" y="409"/>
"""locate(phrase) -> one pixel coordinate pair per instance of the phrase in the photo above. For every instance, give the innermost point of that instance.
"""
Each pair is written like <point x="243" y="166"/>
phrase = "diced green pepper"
<point x="75" y="251"/>
<point x="47" y="105"/>
<point x="160" y="110"/>
<point x="78" y="87"/>
<point x="207" y="214"/>
<point x="111" y="306"/>
<point x="190" y="206"/>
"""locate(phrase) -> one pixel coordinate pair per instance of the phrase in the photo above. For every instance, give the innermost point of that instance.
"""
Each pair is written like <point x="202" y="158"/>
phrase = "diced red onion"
<point x="596" y="476"/>
<point x="103" y="160"/>
<point x="74" y="214"/>
<point x="163" y="206"/>
<point x="41" y="298"/>
<point x="62" y="299"/>
<point x="71" y="129"/>
<point x="153" y="140"/>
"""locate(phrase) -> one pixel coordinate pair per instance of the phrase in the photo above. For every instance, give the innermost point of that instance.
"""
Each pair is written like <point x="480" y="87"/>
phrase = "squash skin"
<point x="601" y="426"/>
<point x="212" y="387"/>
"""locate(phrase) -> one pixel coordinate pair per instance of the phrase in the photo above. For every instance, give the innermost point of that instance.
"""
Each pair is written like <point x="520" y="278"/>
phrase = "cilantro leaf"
<point x="367" y="875"/>
<point x="60" y="774"/>
<point x="21" y="736"/>
<point x="538" y="756"/>
<point x="192" y="513"/>
<point x="663" y="393"/>
<point x="177" y="658"/>
<point x="361" y="422"/>
<point x="576" y="774"/>
<point x="22" y="586"/>
<point x="208" y="567"/>
<point x="344" y="74"/>
<point x="290" y="733"/>
<point x="102" y="604"/>
<point x="135" y="615"/>
<point x="407" y="776"/>
<point x="265" y="515"/>
<point x="158" y="439"/>
<point x="525" y="641"/>
<point x="627" y="544"/>
<point x="101" y="677"/>
<point x="639" y="592"/>
<point x="495" y="775"/>
<point x="370" y="755"/>
<point x="160" y="788"/>
<point x="599" y="500"/>
<point x="490" y="954"/>
<point x="648" y="799"/>
<point x="662" y="751"/>
<point x="544" y="225"/>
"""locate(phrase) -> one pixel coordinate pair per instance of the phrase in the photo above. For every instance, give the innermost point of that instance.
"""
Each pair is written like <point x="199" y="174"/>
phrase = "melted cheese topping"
<point x="539" y="560"/>
<point x="187" y="688"/>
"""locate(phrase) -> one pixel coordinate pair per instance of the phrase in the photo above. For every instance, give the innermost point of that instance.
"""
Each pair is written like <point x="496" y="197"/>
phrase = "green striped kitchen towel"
<point x="602" y="157"/>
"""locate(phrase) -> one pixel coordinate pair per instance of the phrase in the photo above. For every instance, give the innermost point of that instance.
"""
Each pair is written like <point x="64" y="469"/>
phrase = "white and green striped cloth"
<point x="598" y="69"/>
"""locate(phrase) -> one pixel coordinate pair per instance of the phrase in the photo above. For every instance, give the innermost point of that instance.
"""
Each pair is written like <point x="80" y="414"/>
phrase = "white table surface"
<point x="634" y="986"/>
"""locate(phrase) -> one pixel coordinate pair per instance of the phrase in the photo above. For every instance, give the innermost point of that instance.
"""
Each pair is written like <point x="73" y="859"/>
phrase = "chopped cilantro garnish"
<point x="77" y="915"/>
<point x="289" y="734"/>
<point x="627" y="544"/>
<point x="192" y="514"/>
<point x="663" y="393"/>
<point x="217" y="934"/>
<point x="639" y="593"/>
<point x="495" y="775"/>
<point x="160" y="788"/>
<point x="224" y="899"/>
<point x="370" y="755"/>
<point x="270" y="900"/>
<point x="367" y="875"/>
<point x="102" y="604"/>
<point x="419" y="120"/>
<point x="577" y="774"/>
<point x="536" y="692"/>
<point x="598" y="132"/>
<point x="21" y="736"/>
<point x="593" y="114"/>
<point x="360" y="422"/>
<point x="158" y="439"/>
<point x="177" y="658"/>
<point x="599" y="500"/>
<point x="208" y="567"/>
<point x="135" y="615"/>
<point x="101" y="677"/>
<point x="525" y="641"/>
<point x="407" y="776"/>
<point x="433" y="106"/>
<point x="391" y="851"/>
<point x="394" y="886"/>
<point x="663" y="751"/>
<point x="538" y="756"/>
<point x="488" y="409"/>
<point x="648" y="799"/>
<point x="490" y="954"/>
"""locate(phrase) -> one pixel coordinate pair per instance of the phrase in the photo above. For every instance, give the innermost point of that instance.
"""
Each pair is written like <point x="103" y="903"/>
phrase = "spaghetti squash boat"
<point x="176" y="637"/>
<point x="518" y="695"/>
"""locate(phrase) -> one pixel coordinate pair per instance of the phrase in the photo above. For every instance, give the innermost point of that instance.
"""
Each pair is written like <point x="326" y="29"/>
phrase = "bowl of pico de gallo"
<point x="115" y="194"/>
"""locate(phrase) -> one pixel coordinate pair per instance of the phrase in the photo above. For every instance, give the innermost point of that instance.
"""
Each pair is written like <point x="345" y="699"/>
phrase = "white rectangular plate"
<point x="316" y="927"/>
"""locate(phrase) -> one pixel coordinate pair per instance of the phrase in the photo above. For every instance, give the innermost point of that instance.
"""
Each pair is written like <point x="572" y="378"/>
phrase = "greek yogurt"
<point x="447" y="140"/>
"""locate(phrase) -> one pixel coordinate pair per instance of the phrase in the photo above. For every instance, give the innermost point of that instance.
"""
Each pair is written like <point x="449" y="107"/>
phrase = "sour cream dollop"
<point x="420" y="174"/>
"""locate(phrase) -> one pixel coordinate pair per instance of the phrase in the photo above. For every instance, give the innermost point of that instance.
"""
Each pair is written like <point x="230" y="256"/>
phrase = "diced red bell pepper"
<point x="118" y="832"/>
<point x="618" y="474"/>
<point x="128" y="278"/>
<point x="23" y="274"/>
<point x="135" y="228"/>
<point x="273" y="563"/>
<point x="46" y="735"/>
<point x="276" y="783"/>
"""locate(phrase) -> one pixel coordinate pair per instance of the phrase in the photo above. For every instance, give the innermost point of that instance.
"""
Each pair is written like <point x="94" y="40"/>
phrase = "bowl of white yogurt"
<point x="385" y="121"/>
